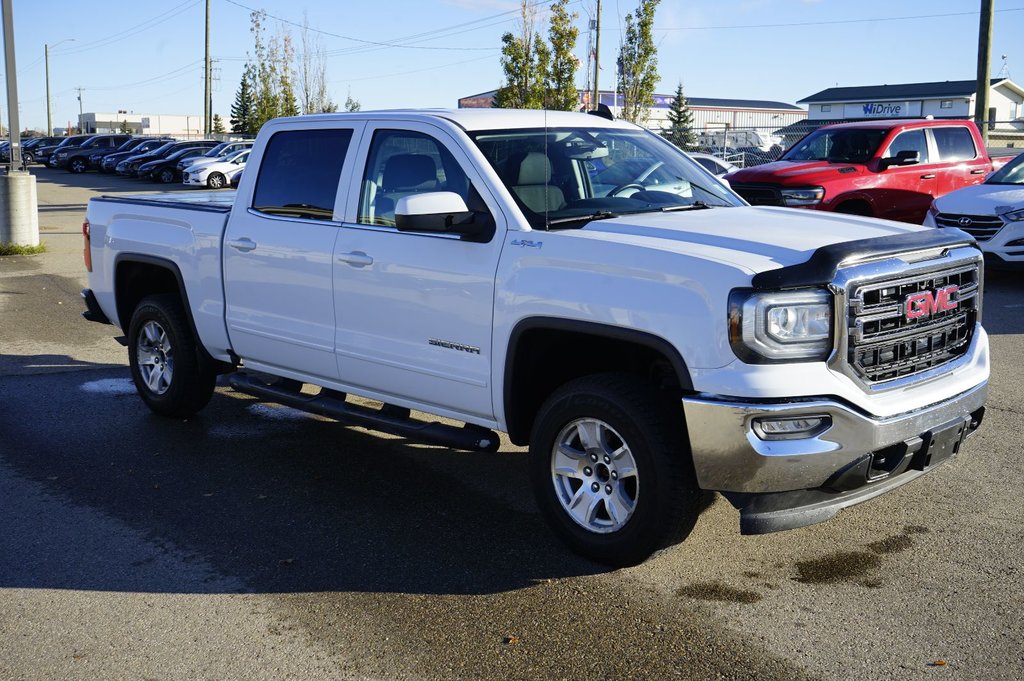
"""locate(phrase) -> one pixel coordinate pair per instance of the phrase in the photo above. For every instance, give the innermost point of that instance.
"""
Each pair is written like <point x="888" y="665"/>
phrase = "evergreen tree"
<point x="680" y="122"/>
<point x="562" y="92"/>
<point x="218" y="124"/>
<point x="638" y="64"/>
<point x="242" y="109"/>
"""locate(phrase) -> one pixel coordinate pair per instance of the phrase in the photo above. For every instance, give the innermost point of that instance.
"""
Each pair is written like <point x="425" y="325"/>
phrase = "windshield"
<point x="234" y="155"/>
<point x="215" y="151"/>
<point x="843" y="145"/>
<point x="567" y="176"/>
<point x="1011" y="173"/>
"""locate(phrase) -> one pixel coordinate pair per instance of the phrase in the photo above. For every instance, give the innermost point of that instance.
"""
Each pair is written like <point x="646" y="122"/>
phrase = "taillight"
<point x="87" y="251"/>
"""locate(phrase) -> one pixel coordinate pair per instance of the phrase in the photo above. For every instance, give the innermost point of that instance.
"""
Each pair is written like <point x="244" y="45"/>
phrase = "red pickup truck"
<point x="887" y="168"/>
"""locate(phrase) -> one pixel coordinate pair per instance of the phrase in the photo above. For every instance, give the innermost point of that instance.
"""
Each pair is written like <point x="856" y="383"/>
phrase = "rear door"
<point x="957" y="149"/>
<point x="278" y="251"/>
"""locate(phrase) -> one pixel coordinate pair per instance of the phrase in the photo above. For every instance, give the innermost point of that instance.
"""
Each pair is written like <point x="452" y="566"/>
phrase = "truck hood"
<point x="797" y="173"/>
<point x="982" y="199"/>
<point x="755" y="239"/>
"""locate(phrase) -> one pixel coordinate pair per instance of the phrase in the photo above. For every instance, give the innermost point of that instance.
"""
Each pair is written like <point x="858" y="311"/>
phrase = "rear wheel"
<point x="216" y="181"/>
<point x="611" y="469"/>
<point x="166" y="365"/>
<point x="27" y="157"/>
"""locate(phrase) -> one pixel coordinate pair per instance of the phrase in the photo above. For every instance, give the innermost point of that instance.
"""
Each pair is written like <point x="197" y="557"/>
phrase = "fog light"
<point x="792" y="428"/>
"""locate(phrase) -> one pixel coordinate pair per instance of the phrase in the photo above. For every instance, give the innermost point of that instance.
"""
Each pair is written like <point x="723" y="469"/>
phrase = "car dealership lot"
<point x="252" y="541"/>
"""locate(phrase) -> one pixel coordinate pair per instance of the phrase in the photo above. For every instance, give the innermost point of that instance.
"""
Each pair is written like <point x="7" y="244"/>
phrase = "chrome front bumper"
<point x="730" y="457"/>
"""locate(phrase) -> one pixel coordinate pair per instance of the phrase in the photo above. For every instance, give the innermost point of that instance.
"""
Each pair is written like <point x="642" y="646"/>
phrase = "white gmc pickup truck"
<point x="575" y="282"/>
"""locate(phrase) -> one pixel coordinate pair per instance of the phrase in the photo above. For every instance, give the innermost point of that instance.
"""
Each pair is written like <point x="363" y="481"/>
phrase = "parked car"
<point x="96" y="158"/>
<point x="166" y="169"/>
<point x="216" y="154"/>
<point x="992" y="212"/>
<point x="714" y="165"/>
<point x="650" y="348"/>
<point x="76" y="160"/>
<point x="29" y="149"/>
<point x="43" y="153"/>
<point x="879" y="168"/>
<point x="145" y="145"/>
<point x="130" y="166"/>
<point x="219" y="174"/>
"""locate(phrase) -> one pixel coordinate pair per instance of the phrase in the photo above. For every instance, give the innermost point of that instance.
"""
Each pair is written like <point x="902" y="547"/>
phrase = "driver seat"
<point x="533" y="184"/>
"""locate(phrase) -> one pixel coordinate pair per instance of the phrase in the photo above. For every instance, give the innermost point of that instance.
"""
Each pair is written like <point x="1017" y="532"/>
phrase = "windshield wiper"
<point x="599" y="215"/>
<point x="696" y="205"/>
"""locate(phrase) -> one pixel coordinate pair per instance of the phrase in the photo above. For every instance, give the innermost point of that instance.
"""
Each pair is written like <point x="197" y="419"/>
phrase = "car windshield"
<point x="179" y="153"/>
<point x="1011" y="173"/>
<point x="841" y="145"/>
<point x="233" y="155"/>
<point x="215" y="151"/>
<point x="565" y="177"/>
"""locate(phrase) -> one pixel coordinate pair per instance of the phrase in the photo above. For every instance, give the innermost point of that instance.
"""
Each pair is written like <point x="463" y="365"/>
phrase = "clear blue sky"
<point x="147" y="57"/>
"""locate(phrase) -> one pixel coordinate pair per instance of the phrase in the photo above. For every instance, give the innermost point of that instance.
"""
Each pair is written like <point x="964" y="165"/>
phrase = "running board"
<point x="387" y="419"/>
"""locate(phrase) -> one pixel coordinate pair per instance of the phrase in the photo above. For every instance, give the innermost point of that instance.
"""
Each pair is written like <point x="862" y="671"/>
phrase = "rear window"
<point x="299" y="173"/>
<point x="955" y="144"/>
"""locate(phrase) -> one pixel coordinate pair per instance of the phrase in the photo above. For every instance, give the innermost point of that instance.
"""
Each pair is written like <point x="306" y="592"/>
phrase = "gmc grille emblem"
<point x="965" y="222"/>
<point x="927" y="303"/>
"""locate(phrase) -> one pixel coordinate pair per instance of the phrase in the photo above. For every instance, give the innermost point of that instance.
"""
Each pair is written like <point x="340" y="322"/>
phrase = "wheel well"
<point x="855" y="207"/>
<point x="543" y="358"/>
<point x="136" y="280"/>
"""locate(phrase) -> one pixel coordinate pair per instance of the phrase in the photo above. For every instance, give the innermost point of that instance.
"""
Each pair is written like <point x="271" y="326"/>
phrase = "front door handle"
<point x="929" y="176"/>
<point x="355" y="258"/>
<point x="244" y="244"/>
<point x="979" y="171"/>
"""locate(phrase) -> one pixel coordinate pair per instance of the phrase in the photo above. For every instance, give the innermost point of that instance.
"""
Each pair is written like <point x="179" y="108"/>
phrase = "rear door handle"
<point x="979" y="171"/>
<point x="244" y="244"/>
<point x="355" y="258"/>
<point x="929" y="176"/>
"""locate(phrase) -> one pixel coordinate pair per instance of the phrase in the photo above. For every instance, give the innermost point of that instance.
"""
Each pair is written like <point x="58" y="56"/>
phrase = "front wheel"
<point x="611" y="469"/>
<point x="216" y="181"/>
<point x="77" y="165"/>
<point x="169" y="372"/>
<point x="166" y="176"/>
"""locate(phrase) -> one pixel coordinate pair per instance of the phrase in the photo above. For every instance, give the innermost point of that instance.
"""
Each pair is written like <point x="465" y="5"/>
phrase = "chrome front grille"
<point x="981" y="227"/>
<point x="902" y="327"/>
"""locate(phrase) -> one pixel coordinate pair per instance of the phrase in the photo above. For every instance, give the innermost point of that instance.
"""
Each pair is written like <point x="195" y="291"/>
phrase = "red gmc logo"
<point x="926" y="303"/>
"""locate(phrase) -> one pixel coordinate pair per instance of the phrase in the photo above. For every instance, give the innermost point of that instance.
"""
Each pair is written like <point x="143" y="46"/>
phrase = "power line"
<point x="406" y="73"/>
<point x="181" y="71"/>
<point x="826" y="23"/>
<point x="154" y="22"/>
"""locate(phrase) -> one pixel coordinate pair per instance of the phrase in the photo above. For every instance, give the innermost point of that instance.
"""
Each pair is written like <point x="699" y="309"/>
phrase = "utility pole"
<point x="49" y="111"/>
<point x="81" y="116"/>
<point x="207" y="72"/>
<point x="19" y="207"/>
<point x="984" y="67"/>
<point x="597" y="57"/>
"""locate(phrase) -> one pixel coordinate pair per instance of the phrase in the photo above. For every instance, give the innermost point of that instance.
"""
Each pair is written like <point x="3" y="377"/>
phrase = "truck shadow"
<point x="1003" y="305"/>
<point x="249" y="497"/>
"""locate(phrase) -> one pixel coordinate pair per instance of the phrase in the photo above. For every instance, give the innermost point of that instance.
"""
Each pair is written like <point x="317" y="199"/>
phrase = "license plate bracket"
<point x="942" y="443"/>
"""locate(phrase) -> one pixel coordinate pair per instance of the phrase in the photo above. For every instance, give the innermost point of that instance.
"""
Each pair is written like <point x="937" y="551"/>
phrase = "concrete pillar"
<point x="19" y="214"/>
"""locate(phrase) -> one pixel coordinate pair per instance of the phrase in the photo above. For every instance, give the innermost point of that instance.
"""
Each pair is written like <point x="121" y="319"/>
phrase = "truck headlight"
<point x="804" y="196"/>
<point x="780" y="326"/>
<point x="1014" y="215"/>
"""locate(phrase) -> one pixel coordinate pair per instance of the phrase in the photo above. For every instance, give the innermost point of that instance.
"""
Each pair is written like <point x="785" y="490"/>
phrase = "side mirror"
<point x="906" y="157"/>
<point x="444" y="213"/>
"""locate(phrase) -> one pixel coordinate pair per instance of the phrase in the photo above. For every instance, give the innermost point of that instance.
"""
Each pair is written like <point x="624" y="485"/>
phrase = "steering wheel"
<point x="624" y="187"/>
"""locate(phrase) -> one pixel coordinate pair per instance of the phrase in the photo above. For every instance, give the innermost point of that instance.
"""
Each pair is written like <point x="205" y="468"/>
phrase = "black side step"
<point x="387" y="419"/>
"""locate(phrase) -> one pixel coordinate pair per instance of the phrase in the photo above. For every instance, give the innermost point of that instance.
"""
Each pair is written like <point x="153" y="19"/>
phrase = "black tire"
<point x="166" y="176"/>
<point x="28" y="158"/>
<point x="162" y="349"/>
<point x="216" y="181"/>
<point x="645" y="423"/>
<point x="78" y="165"/>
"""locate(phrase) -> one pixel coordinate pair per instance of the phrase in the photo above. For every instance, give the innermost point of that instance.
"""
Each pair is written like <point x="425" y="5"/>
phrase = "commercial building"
<point x="181" y="126"/>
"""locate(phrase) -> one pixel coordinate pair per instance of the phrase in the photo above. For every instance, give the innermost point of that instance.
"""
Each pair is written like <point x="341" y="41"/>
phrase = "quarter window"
<point x="299" y="173"/>
<point x="954" y="143"/>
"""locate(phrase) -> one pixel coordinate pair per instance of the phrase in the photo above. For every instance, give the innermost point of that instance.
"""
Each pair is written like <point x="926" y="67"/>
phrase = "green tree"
<point x="288" y="105"/>
<point x="125" y="128"/>
<point x="351" y="104"/>
<point x="638" y="64"/>
<point x="242" y="109"/>
<point x="562" y="93"/>
<point x="265" y="77"/>
<point x="524" y="60"/>
<point x="680" y="122"/>
<point x="218" y="124"/>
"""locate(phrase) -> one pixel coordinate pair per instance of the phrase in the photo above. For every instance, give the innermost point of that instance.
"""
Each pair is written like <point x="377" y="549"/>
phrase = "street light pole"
<point x="49" y="114"/>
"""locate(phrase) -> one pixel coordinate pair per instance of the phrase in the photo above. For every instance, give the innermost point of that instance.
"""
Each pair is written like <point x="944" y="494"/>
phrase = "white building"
<point x="945" y="99"/>
<point x="172" y="125"/>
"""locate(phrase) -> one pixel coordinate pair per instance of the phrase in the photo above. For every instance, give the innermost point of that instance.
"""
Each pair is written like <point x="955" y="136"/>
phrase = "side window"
<point x="955" y="144"/>
<point x="403" y="162"/>
<point x="911" y="140"/>
<point x="299" y="173"/>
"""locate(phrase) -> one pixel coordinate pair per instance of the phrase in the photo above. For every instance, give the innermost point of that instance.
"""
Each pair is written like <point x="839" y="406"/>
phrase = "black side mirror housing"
<point x="906" y="157"/>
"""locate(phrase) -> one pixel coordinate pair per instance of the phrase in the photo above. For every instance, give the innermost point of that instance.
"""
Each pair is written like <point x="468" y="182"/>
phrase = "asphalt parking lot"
<point x="257" y="542"/>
